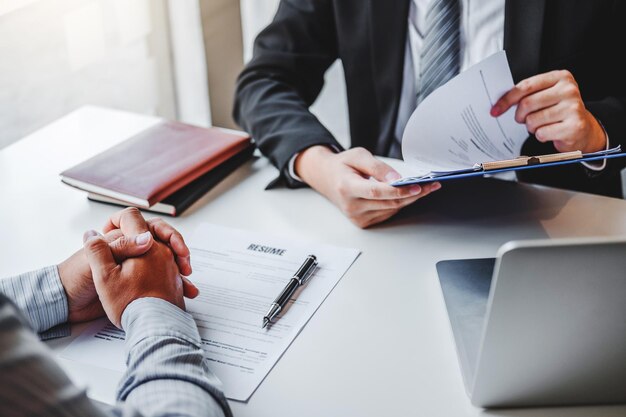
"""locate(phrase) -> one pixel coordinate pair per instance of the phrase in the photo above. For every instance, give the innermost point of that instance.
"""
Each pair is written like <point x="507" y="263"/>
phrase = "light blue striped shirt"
<point x="166" y="371"/>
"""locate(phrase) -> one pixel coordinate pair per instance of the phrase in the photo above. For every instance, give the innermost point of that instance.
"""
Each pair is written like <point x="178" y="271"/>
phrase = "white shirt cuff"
<point x="599" y="166"/>
<point x="291" y="168"/>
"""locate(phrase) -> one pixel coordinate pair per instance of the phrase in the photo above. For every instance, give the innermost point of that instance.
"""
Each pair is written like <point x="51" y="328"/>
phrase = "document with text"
<point x="452" y="129"/>
<point x="239" y="273"/>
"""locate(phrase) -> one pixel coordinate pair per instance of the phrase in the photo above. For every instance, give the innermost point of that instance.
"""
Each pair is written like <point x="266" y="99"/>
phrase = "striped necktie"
<point x="440" y="58"/>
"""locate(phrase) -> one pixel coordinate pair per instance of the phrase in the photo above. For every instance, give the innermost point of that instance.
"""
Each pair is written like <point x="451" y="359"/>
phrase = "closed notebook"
<point x="181" y="200"/>
<point x="156" y="162"/>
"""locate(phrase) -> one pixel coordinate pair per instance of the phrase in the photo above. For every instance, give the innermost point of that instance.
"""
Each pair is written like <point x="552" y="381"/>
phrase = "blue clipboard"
<point x="478" y="171"/>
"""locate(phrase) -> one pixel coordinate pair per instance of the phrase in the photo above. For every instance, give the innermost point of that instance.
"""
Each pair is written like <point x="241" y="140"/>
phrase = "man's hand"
<point x="130" y="221"/>
<point x="357" y="183"/>
<point x="75" y="273"/>
<point x="552" y="108"/>
<point x="155" y="274"/>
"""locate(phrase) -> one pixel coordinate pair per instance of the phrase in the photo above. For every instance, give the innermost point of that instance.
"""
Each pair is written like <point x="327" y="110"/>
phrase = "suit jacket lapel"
<point x="523" y="29"/>
<point x="388" y="30"/>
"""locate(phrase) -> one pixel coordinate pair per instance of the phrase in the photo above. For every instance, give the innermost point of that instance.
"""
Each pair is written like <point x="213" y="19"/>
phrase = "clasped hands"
<point x="134" y="258"/>
<point x="549" y="104"/>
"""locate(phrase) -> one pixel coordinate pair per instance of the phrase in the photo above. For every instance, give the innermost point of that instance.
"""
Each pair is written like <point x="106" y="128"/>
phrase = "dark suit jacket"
<point x="291" y="55"/>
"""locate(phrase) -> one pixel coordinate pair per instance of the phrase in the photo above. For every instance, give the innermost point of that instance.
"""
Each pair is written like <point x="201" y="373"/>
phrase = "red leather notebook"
<point x="155" y="163"/>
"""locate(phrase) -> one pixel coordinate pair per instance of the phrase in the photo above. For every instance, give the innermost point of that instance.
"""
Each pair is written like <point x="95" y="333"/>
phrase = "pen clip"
<point x="309" y="273"/>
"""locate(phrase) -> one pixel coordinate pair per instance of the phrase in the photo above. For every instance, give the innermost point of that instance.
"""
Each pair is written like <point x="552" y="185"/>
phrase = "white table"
<point x="349" y="360"/>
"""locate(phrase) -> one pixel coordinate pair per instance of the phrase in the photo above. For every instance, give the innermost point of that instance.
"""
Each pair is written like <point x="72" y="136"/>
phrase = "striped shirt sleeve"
<point x="166" y="370"/>
<point x="41" y="297"/>
<point x="31" y="382"/>
<point x="167" y="374"/>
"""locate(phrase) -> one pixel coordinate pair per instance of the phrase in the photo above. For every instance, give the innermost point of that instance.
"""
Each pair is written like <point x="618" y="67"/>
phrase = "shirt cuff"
<point x="154" y="317"/>
<point x="291" y="171"/>
<point x="41" y="297"/>
<point x="600" y="165"/>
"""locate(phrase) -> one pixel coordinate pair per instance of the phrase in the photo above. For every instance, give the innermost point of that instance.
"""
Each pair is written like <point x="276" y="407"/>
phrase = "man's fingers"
<point x="126" y="247"/>
<point x="365" y="163"/>
<point x="113" y="235"/>
<point x="547" y="116"/>
<point x="374" y="190"/>
<point x="429" y="188"/>
<point x="536" y="102"/>
<point x="99" y="256"/>
<point x="371" y="189"/>
<point x="378" y="216"/>
<point x="366" y="212"/>
<point x="551" y="133"/>
<point x="395" y="204"/>
<point x="189" y="289"/>
<point x="129" y="221"/>
<point x="89" y="234"/>
<point x="169" y="235"/>
<point x="399" y="203"/>
<point x="525" y="88"/>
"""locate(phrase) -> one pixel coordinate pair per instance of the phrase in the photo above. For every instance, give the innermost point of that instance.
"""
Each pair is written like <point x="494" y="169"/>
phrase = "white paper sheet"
<point x="239" y="273"/>
<point x="452" y="128"/>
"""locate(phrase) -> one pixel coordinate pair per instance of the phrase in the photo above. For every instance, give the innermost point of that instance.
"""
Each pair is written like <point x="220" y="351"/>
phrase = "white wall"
<point x="223" y="45"/>
<point x="331" y="107"/>
<point x="56" y="55"/>
<point x="189" y="63"/>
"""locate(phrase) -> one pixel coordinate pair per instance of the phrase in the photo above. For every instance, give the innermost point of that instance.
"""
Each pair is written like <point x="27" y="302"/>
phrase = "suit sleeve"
<point x="284" y="77"/>
<point x="611" y="110"/>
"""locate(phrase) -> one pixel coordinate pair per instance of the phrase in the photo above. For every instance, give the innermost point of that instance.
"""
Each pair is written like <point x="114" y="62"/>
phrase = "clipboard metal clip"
<point x="530" y="160"/>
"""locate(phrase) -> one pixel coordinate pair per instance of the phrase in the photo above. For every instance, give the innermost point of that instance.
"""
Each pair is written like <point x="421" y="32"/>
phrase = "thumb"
<point x="367" y="164"/>
<point x="189" y="289"/>
<point x="125" y="247"/>
<point x="99" y="256"/>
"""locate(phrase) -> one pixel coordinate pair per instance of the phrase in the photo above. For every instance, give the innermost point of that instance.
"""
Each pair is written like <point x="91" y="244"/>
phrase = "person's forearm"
<point x="166" y="370"/>
<point x="41" y="297"/>
<point x="31" y="382"/>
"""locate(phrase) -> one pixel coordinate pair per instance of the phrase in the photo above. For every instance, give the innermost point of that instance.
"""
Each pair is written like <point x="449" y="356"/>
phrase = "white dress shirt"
<point x="482" y="35"/>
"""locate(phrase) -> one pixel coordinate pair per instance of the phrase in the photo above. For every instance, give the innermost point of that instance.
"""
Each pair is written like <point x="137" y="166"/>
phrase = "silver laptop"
<point x="542" y="324"/>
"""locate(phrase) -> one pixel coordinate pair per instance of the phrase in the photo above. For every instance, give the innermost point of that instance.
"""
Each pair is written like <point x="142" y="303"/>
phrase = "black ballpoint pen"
<point x="299" y="278"/>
